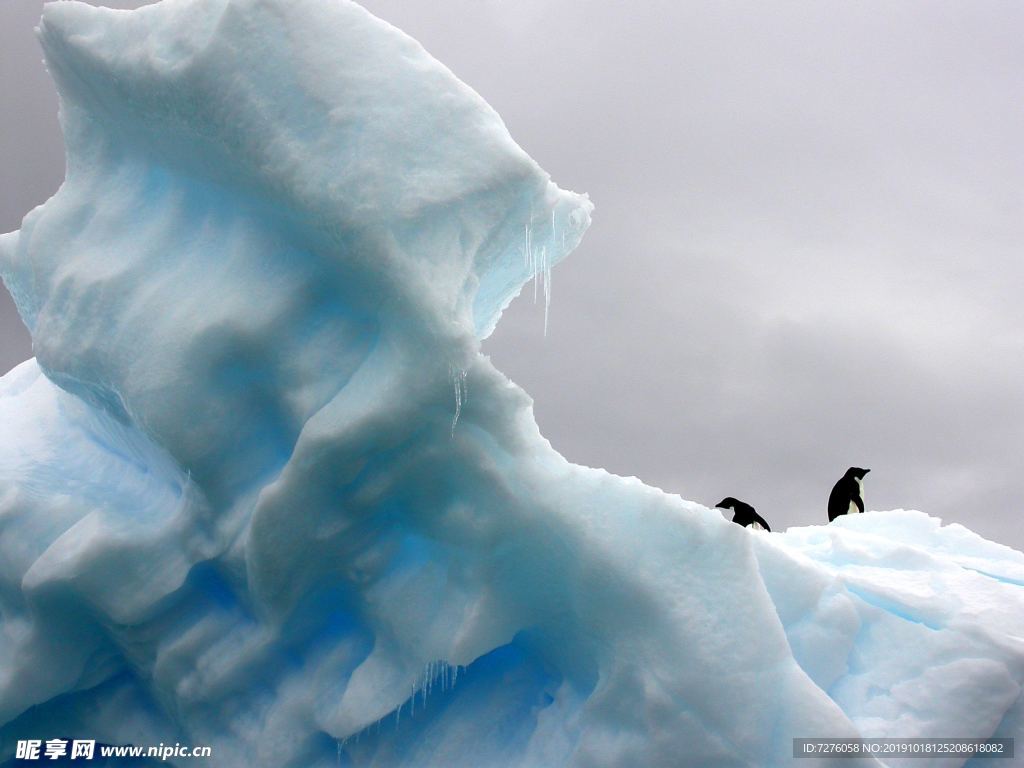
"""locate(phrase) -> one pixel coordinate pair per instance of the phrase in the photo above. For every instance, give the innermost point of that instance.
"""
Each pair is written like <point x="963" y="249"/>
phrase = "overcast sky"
<point x="806" y="251"/>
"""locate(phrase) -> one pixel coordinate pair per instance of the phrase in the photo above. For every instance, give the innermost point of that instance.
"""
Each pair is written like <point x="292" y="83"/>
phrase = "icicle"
<point x="458" y="404"/>
<point x="461" y="393"/>
<point x="532" y="263"/>
<point x="533" y="253"/>
<point x="547" y="288"/>
<point x="538" y="265"/>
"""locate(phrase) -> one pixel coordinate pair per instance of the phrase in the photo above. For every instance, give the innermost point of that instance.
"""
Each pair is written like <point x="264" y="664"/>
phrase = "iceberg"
<point x="260" y="490"/>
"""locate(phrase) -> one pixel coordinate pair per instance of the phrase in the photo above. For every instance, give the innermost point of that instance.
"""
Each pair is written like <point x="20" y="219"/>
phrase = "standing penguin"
<point x="743" y="514"/>
<point x="847" y="497"/>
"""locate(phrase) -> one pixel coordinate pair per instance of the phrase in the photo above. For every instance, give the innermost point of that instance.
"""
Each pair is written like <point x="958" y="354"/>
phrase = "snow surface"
<point x="260" y="490"/>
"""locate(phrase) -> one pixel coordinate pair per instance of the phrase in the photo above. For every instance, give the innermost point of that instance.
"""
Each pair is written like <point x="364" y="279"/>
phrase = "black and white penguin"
<point x="847" y="497"/>
<point x="743" y="514"/>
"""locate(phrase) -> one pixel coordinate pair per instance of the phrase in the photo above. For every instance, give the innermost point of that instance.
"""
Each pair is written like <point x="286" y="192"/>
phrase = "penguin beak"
<point x="866" y="471"/>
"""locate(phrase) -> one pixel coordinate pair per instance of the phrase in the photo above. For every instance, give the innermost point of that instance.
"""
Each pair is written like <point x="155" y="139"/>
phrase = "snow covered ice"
<point x="260" y="490"/>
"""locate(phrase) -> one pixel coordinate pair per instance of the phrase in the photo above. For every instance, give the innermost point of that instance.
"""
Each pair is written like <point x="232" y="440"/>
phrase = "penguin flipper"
<point x="838" y="500"/>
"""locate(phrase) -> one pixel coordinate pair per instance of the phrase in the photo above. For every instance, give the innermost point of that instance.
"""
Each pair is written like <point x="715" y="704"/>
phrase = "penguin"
<point x="847" y="497"/>
<point x="743" y="514"/>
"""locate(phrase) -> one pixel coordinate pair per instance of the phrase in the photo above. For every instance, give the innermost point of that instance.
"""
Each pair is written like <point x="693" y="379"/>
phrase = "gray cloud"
<point x="805" y="252"/>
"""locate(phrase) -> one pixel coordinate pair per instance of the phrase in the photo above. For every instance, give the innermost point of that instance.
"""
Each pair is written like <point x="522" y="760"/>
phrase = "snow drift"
<point x="260" y="490"/>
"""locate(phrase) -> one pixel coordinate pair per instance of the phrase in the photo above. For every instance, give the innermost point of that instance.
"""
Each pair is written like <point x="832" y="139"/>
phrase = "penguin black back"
<point x="847" y="495"/>
<point x="742" y="513"/>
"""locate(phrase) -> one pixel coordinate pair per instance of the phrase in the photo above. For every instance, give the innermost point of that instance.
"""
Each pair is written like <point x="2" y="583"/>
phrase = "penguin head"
<point x="857" y="472"/>
<point x="728" y="503"/>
